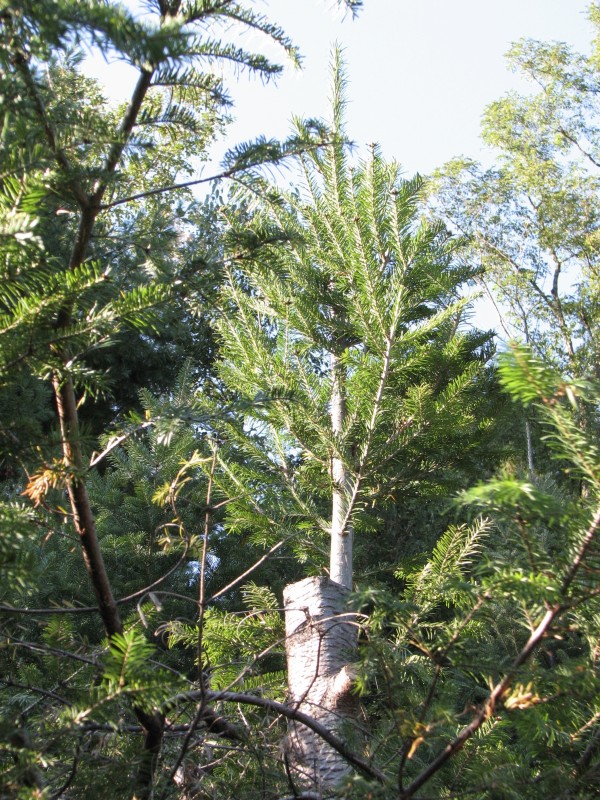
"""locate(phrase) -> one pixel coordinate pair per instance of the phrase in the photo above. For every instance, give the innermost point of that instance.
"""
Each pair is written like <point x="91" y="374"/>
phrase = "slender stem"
<point x="340" y="567"/>
<point x="585" y="545"/>
<point x="575" y="142"/>
<point x="21" y="62"/>
<point x="71" y="776"/>
<point x="361" y="764"/>
<point x="90" y="609"/>
<point x="203" y="556"/>
<point x="247" y="572"/>
<point x="487" y="708"/>
<point x="228" y="173"/>
<point x="116" y="151"/>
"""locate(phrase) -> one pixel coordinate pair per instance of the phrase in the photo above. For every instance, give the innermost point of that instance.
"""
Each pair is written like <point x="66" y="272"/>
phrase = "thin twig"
<point x="73" y="771"/>
<point x="90" y="609"/>
<point x="245" y="574"/>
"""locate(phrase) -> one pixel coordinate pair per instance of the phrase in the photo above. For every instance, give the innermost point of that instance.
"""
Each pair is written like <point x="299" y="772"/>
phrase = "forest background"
<point x="208" y="400"/>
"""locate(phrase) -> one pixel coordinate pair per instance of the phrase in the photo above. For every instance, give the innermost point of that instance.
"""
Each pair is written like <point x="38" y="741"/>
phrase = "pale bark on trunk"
<point x="340" y="562"/>
<point x="320" y="643"/>
<point x="321" y="639"/>
<point x="530" y="461"/>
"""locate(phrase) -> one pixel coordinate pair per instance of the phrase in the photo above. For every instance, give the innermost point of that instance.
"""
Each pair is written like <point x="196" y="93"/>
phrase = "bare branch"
<point x="70" y="777"/>
<point x="245" y="574"/>
<point x="172" y="188"/>
<point x="357" y="761"/>
<point x="37" y="647"/>
<point x="90" y="609"/>
<point x="574" y="141"/>
<point x="36" y="690"/>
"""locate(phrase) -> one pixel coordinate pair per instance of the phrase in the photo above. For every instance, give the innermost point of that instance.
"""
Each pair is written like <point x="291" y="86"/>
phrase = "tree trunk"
<point x="530" y="461"/>
<point x="320" y="642"/>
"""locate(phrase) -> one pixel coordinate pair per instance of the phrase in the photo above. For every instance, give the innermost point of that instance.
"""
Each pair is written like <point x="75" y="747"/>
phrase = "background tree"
<point x="532" y="219"/>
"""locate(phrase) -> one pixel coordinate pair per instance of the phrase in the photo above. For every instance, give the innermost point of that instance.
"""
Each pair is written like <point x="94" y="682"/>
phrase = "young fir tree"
<point x="342" y="327"/>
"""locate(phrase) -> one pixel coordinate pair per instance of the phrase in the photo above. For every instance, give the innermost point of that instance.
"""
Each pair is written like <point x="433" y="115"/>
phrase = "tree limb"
<point x="361" y="764"/>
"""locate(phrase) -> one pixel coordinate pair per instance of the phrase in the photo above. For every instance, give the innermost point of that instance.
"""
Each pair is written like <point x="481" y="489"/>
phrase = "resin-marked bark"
<point x="320" y="646"/>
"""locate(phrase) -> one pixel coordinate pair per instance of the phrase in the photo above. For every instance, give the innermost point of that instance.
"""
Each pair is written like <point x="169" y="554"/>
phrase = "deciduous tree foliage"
<point x="532" y="219"/>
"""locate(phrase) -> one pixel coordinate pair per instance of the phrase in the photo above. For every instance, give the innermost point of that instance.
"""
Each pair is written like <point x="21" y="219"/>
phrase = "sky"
<point x="420" y="72"/>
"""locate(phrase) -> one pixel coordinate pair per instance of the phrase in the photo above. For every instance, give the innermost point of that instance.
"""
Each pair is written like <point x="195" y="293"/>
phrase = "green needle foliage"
<point x="91" y="256"/>
<point x="342" y="282"/>
<point x="481" y="671"/>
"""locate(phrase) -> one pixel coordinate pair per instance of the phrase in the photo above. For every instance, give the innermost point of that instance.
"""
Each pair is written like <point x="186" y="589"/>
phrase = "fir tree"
<point x="341" y="327"/>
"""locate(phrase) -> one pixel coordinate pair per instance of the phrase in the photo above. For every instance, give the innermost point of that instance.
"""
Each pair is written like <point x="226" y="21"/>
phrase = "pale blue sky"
<point x="420" y="71"/>
<point x="420" y="74"/>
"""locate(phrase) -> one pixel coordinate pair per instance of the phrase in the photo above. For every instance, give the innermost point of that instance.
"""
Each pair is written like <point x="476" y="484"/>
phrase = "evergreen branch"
<point x="185" y="746"/>
<point x="38" y="647"/>
<point x="304" y="506"/>
<point x="42" y="612"/>
<point x="499" y="690"/>
<point x="438" y="657"/>
<point x="249" y="19"/>
<point x="91" y="609"/>
<point x="71" y="444"/>
<point x="189" y="80"/>
<point x="70" y="777"/>
<point x="487" y="709"/>
<point x="212" y="50"/>
<point x="36" y="690"/>
<point x="583" y="549"/>
<point x="401" y="430"/>
<point x="129" y="120"/>
<point x="372" y="422"/>
<point x="227" y="173"/>
<point x="457" y="547"/>
<point x="314" y="418"/>
<point x="584" y="761"/>
<point x="116" y="441"/>
<point x="353" y="6"/>
<point x="22" y="63"/>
